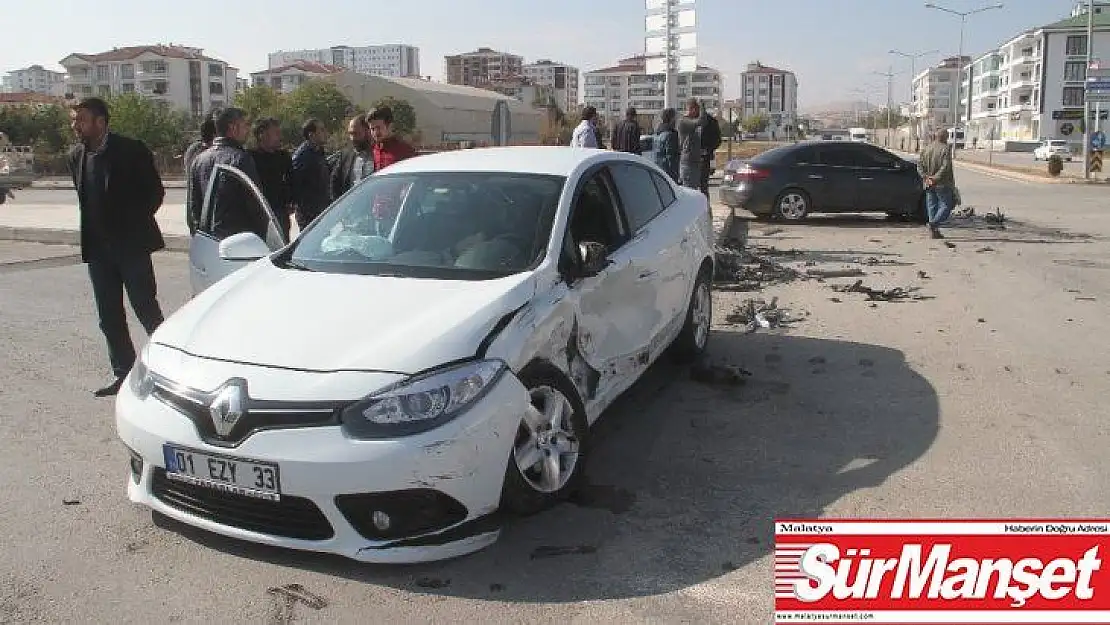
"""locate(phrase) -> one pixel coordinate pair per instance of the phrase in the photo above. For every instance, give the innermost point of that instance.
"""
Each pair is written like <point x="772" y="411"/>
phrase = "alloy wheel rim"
<point x="792" y="206"/>
<point x="546" y="451"/>
<point x="703" y="313"/>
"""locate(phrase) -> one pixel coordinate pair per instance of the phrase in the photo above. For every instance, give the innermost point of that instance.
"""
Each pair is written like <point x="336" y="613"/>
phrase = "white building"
<point x="523" y="90"/>
<point x="397" y="60"/>
<point x="934" y="97"/>
<point x="35" y="79"/>
<point x="1032" y="86"/>
<point x="773" y="93"/>
<point x="183" y="77"/>
<point x="613" y="89"/>
<point x="1081" y="7"/>
<point x="562" y="79"/>
<point x="286" y="78"/>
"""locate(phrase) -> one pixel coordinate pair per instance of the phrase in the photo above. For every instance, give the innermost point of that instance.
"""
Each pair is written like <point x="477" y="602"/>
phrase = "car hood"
<point x="330" y="322"/>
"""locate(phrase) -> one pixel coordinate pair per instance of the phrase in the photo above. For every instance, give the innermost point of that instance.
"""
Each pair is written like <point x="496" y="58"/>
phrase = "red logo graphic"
<point x="1041" y="571"/>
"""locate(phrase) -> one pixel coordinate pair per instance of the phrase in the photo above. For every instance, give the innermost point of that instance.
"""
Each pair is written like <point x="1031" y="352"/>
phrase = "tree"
<point x="879" y="119"/>
<point x="259" y="101"/>
<point x="756" y="123"/>
<point x="153" y="122"/>
<point x="321" y="100"/>
<point x="404" y="116"/>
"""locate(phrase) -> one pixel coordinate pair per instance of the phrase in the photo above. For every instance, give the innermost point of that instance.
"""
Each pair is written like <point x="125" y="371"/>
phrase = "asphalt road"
<point x="984" y="400"/>
<point x="53" y="197"/>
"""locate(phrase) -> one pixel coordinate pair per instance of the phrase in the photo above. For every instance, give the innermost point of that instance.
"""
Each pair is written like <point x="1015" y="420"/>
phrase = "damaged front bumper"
<point x="421" y="498"/>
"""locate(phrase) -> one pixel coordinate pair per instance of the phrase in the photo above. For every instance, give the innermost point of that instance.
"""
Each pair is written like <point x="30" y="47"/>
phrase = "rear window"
<point x="785" y="155"/>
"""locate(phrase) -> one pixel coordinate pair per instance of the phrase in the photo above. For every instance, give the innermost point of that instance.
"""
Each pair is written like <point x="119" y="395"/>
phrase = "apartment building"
<point x="286" y="78"/>
<point x="1032" y="86"/>
<point x="397" y="60"/>
<point x="612" y="90"/>
<point x="34" y="79"/>
<point x="183" y="77"/>
<point x="934" y="96"/>
<point x="560" y="78"/>
<point x="482" y="66"/>
<point x="771" y="92"/>
<point x="524" y="90"/>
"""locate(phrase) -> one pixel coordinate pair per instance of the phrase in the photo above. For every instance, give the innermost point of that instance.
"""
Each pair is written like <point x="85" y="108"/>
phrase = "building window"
<point x="102" y="72"/>
<point x="215" y="69"/>
<point x="104" y="90"/>
<point x="215" y="88"/>
<point x="1075" y="71"/>
<point x="1073" y="96"/>
<point x="1076" y="45"/>
<point x="127" y="71"/>
<point x="127" y="87"/>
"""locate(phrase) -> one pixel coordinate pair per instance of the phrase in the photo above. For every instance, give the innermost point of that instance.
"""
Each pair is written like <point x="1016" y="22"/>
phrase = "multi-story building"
<point x="481" y="66"/>
<point x="1032" y="86"/>
<point x="397" y="60"/>
<point x="286" y="78"/>
<point x="562" y="79"/>
<point x="773" y="93"/>
<point x="182" y="77"/>
<point x="613" y="89"/>
<point x="934" y="96"/>
<point x="1081" y="7"/>
<point x="35" y="79"/>
<point x="524" y="90"/>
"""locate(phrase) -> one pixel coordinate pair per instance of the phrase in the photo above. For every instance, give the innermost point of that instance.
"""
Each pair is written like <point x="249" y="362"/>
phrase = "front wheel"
<point x="548" y="457"/>
<point x="792" y="205"/>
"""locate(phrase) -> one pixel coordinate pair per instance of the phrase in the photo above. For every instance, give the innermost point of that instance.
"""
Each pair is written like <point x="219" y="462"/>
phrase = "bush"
<point x="1055" y="165"/>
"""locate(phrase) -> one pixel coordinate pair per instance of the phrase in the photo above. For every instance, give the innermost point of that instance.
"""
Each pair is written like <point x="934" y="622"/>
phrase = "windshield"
<point x="446" y="225"/>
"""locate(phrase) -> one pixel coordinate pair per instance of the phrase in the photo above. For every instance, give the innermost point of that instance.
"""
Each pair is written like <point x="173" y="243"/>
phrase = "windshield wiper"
<point x="289" y="263"/>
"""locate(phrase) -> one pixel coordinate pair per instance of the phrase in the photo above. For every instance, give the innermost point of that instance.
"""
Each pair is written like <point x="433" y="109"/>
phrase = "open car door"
<point x="205" y="265"/>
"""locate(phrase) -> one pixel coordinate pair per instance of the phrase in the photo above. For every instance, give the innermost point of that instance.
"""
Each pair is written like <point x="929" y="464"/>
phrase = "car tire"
<point x="693" y="339"/>
<point x="792" y="205"/>
<point x="532" y="489"/>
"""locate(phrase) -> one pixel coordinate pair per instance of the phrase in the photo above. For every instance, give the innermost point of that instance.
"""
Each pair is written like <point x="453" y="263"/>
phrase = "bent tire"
<point x="792" y="205"/>
<point x="693" y="339"/>
<point x="548" y="458"/>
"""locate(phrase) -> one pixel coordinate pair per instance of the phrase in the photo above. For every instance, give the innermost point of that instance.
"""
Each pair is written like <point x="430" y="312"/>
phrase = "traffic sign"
<point x="1096" y="160"/>
<point x="1098" y="140"/>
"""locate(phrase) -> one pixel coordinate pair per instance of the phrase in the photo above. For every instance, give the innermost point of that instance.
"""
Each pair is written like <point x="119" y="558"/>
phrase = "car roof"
<point x="543" y="160"/>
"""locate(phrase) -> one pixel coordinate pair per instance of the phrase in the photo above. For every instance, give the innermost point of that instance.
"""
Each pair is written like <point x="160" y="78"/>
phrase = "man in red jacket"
<point x="388" y="149"/>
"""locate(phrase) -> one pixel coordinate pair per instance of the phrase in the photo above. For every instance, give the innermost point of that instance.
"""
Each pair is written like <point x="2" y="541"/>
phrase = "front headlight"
<point x="140" y="380"/>
<point x="421" y="403"/>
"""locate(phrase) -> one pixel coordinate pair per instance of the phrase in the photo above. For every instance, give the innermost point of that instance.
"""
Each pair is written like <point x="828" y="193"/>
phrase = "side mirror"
<point x="595" y="258"/>
<point x="245" y="246"/>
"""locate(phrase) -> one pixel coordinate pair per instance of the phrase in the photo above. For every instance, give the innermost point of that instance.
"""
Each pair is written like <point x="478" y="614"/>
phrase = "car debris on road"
<point x="885" y="295"/>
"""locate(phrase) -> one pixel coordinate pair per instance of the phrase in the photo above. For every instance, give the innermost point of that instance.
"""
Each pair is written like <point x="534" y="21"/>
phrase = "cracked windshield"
<point x="631" y="311"/>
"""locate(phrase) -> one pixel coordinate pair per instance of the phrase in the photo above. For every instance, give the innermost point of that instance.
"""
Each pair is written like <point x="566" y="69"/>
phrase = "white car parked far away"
<point x="431" y="351"/>
<point x="1052" y="147"/>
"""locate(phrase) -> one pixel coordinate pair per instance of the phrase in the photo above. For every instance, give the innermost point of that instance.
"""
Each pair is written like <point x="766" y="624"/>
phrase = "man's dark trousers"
<point x="706" y="166"/>
<point x="111" y="274"/>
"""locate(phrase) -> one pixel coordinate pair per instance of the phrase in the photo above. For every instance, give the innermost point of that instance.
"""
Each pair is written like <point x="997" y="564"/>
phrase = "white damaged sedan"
<point x="430" y="352"/>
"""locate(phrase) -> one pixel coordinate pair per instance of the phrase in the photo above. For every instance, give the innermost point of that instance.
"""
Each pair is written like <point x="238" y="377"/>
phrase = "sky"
<point x="833" y="46"/>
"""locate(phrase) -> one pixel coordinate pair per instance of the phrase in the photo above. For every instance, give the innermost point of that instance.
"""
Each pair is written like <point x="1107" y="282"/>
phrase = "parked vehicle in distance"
<point x="1053" y="147"/>
<point x="473" y="313"/>
<point x="794" y="181"/>
<point x="16" y="167"/>
<point x="957" y="138"/>
<point x="858" y="134"/>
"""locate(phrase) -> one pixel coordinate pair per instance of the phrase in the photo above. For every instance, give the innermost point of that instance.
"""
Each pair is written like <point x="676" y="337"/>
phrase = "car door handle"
<point x="866" y="178"/>
<point x="816" y="177"/>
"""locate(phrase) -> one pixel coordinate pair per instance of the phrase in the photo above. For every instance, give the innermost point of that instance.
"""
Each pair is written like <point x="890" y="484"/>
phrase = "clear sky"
<point x="834" y="46"/>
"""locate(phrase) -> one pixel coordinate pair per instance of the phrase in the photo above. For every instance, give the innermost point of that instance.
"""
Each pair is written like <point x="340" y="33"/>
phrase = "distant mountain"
<point x="847" y="106"/>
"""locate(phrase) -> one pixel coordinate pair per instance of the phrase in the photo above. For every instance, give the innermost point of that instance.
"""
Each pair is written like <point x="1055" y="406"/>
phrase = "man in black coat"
<point x="274" y="167"/>
<point x="626" y="134"/>
<point x="355" y="163"/>
<point x="118" y="191"/>
<point x="710" y="132"/>
<point x="234" y="209"/>
<point x="311" y="179"/>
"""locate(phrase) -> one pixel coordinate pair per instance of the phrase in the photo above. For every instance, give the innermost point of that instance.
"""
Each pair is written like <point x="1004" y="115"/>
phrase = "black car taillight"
<point x="752" y="174"/>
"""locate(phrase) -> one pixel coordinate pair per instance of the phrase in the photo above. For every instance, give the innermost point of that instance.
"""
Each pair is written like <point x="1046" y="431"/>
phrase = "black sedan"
<point x="793" y="181"/>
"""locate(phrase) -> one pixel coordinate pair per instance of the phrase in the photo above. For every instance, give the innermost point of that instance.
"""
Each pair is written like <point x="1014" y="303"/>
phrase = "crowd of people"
<point x="684" y="148"/>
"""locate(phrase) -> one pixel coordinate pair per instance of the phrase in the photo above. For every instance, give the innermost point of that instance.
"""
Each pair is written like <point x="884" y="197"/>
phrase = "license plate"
<point x="250" y="478"/>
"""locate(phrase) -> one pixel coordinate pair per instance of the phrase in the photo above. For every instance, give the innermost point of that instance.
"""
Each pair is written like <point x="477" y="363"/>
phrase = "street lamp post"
<point x="913" y="91"/>
<point x="963" y="15"/>
<point x="889" y="99"/>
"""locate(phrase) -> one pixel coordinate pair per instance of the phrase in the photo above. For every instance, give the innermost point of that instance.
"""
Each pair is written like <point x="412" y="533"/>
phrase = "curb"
<point x="68" y="186"/>
<point x="61" y="236"/>
<point x="1029" y="177"/>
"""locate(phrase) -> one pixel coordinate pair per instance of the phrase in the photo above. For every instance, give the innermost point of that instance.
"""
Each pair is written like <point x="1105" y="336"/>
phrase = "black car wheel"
<point x="792" y="205"/>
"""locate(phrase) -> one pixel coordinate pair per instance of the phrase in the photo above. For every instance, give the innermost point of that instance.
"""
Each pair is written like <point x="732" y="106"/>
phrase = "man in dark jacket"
<point x="311" y="178"/>
<point x="689" y="146"/>
<point x="207" y="135"/>
<point x="626" y="134"/>
<point x="356" y="162"/>
<point x="710" y="141"/>
<point x="233" y="209"/>
<point x="274" y="166"/>
<point x="118" y="191"/>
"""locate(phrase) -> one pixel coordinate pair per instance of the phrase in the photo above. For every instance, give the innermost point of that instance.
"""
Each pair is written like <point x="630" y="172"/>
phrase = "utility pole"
<point x="889" y="99"/>
<point x="915" y="134"/>
<point x="668" y="55"/>
<point x="963" y="15"/>
<point x="1086" y="99"/>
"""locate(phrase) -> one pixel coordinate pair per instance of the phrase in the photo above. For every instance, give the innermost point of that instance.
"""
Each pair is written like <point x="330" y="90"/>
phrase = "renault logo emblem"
<point x="228" y="406"/>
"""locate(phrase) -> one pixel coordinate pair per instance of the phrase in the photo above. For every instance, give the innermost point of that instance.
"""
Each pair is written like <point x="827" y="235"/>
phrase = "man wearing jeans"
<point x="935" y="166"/>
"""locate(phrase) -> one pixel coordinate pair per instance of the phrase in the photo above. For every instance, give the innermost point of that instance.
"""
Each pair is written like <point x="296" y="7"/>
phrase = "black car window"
<point x="639" y="196"/>
<point x="801" y="156"/>
<point x="666" y="191"/>
<point x="840" y="156"/>
<point x="594" y="217"/>
<point x="880" y="159"/>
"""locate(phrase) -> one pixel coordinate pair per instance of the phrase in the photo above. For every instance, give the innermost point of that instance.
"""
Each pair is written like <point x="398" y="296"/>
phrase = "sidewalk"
<point x="60" y="224"/>
<point x="62" y="182"/>
<point x="978" y="160"/>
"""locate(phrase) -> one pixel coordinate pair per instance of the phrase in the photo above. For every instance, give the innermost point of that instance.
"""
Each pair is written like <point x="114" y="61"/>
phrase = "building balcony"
<point x="1018" y="108"/>
<point x="148" y="73"/>
<point x="79" y="79"/>
<point x="1023" y="84"/>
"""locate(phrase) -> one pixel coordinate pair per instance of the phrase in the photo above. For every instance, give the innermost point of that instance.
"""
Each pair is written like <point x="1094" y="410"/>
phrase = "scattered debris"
<point x="922" y="275"/>
<point x="433" y="582"/>
<point x="966" y="212"/>
<point x="1073" y="291"/>
<point x="817" y="360"/>
<point x="886" y="295"/>
<point x="729" y="566"/>
<point x="550" y="552"/>
<point x="875" y="240"/>
<point x="772" y="232"/>
<point x="836" y="273"/>
<point x="757" y="313"/>
<point x="286" y="599"/>
<point x="950" y="245"/>
<point x="496" y="587"/>
<point x="835" y="300"/>
<point x="982" y="320"/>
<point x="71" y="502"/>
<point x="715" y="375"/>
<point x="984" y="249"/>
<point x="996" y="217"/>
<point x="1085" y="299"/>
<point x="750" y="270"/>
